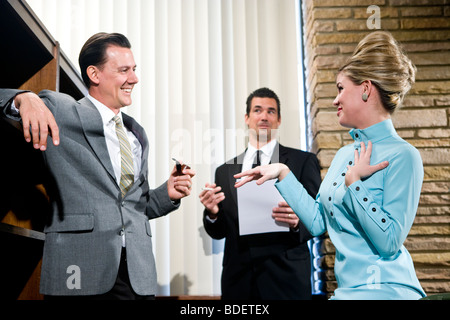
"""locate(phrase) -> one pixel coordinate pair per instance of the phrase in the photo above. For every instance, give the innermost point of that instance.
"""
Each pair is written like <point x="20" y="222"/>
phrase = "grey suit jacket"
<point x="83" y="243"/>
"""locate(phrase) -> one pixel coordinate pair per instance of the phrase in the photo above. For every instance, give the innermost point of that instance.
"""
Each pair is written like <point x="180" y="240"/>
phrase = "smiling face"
<point x="113" y="82"/>
<point x="350" y="109"/>
<point x="262" y="119"/>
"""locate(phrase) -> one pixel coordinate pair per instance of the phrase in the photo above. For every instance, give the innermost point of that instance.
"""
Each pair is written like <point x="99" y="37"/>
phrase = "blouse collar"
<point x="377" y="132"/>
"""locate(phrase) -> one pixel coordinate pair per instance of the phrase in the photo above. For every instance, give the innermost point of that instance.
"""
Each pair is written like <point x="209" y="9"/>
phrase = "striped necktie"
<point x="127" y="169"/>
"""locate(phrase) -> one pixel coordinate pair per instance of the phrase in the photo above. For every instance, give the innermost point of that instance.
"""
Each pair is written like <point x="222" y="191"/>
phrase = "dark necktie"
<point x="258" y="159"/>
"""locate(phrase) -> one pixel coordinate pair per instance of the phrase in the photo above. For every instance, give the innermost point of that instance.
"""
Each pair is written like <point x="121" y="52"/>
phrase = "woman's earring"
<point x="364" y="97"/>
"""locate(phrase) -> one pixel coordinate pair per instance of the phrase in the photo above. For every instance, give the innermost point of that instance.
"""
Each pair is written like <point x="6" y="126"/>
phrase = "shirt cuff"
<point x="12" y="112"/>
<point x="210" y="219"/>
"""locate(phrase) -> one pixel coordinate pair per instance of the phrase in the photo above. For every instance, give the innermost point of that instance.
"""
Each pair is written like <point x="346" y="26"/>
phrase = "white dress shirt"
<point x="112" y="142"/>
<point x="266" y="155"/>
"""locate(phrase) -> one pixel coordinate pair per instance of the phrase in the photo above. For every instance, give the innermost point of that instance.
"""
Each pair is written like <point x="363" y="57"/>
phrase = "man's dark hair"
<point x="93" y="52"/>
<point x="262" y="93"/>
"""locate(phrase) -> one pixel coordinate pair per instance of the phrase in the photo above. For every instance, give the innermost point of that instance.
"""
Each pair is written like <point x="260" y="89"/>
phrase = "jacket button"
<point x="365" y="199"/>
<point x="383" y="220"/>
<point x="357" y="188"/>
<point x="374" y="209"/>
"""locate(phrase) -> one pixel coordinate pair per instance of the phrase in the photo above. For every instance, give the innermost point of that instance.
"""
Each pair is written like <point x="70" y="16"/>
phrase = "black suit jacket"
<point x="271" y="265"/>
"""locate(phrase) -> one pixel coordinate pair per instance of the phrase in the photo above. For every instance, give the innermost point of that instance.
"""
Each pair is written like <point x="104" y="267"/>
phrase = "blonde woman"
<point x="366" y="209"/>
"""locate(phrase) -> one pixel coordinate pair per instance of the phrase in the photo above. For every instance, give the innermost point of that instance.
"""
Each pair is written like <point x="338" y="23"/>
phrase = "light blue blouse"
<point x="368" y="221"/>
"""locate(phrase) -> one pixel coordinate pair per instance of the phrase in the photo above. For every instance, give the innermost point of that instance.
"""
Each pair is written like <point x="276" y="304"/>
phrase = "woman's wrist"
<point x="284" y="171"/>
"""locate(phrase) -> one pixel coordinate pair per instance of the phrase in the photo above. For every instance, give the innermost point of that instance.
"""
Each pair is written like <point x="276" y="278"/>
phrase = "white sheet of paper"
<point x="255" y="204"/>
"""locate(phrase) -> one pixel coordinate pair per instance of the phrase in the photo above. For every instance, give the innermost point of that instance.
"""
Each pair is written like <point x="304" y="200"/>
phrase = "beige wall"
<point x="332" y="30"/>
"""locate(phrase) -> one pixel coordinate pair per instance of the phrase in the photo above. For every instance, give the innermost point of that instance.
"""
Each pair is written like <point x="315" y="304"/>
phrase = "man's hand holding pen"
<point x="180" y="181"/>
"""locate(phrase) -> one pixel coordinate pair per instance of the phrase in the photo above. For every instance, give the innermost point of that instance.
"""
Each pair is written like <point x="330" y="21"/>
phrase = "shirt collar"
<point x="266" y="149"/>
<point x="106" y="113"/>
<point x="377" y="132"/>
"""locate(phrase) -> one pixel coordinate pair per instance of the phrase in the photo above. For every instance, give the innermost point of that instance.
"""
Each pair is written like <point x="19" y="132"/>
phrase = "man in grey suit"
<point x="98" y="238"/>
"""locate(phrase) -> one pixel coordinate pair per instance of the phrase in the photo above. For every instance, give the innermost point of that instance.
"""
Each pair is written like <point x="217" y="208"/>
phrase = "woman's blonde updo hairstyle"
<point x="379" y="58"/>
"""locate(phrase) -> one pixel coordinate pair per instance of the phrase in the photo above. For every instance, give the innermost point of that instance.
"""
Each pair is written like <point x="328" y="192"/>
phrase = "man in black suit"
<point x="272" y="265"/>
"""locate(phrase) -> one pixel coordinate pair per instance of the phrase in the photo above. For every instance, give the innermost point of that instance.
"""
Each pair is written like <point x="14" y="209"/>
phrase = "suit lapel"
<point x="279" y="154"/>
<point x="91" y="122"/>
<point x="234" y="167"/>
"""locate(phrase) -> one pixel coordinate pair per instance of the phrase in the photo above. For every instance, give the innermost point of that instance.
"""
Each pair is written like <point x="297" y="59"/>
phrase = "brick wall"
<point x="332" y="30"/>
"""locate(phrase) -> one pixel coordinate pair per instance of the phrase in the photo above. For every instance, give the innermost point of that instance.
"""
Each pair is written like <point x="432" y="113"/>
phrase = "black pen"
<point x="180" y="167"/>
